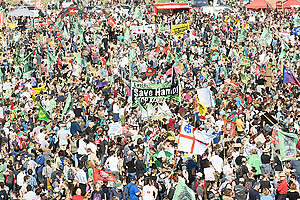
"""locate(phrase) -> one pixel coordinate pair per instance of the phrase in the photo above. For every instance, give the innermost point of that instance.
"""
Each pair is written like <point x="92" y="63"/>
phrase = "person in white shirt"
<point x="116" y="111"/>
<point x="209" y="173"/>
<point x="29" y="195"/>
<point x="217" y="162"/>
<point x="113" y="165"/>
<point x="62" y="136"/>
<point x="149" y="191"/>
<point x="20" y="177"/>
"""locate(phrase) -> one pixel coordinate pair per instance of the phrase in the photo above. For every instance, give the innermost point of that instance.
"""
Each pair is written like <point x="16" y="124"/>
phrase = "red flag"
<point x="38" y="5"/>
<point x="2" y="23"/>
<point x="49" y="21"/>
<point x="105" y="176"/>
<point x="150" y="71"/>
<point x="111" y="22"/>
<point x="274" y="138"/>
<point x="41" y="19"/>
<point x="72" y="11"/>
<point x="103" y="61"/>
<point x="162" y="49"/>
<point x="229" y="127"/>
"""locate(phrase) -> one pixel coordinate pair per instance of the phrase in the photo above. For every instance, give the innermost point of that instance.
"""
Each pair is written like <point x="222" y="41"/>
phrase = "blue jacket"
<point x="75" y="128"/>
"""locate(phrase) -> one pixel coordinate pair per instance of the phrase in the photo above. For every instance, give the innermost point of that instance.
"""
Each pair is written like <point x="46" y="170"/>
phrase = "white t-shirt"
<point x="92" y="146"/>
<point x="116" y="108"/>
<point x="62" y="135"/>
<point x="112" y="163"/>
<point x="29" y="195"/>
<point x="148" y="192"/>
<point x="209" y="174"/>
<point x="82" y="148"/>
<point x="217" y="162"/>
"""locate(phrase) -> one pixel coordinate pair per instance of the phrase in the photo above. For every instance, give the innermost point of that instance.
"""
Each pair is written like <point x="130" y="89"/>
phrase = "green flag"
<point x="244" y="78"/>
<point x="43" y="114"/>
<point x="132" y="55"/>
<point x="68" y="105"/>
<point x="282" y="54"/>
<point x="50" y="60"/>
<point x="296" y="21"/>
<point x="160" y="41"/>
<point x="215" y="42"/>
<point x="138" y="14"/>
<point x="245" y="61"/>
<point x="243" y="35"/>
<point x="287" y="145"/>
<point x="97" y="39"/>
<point x="59" y="23"/>
<point x="65" y="33"/>
<point x="127" y="35"/>
<point x="266" y="37"/>
<point x="284" y="45"/>
<point x="150" y="110"/>
<point x="161" y="27"/>
<point x="296" y="56"/>
<point x="143" y="110"/>
<point x="183" y="192"/>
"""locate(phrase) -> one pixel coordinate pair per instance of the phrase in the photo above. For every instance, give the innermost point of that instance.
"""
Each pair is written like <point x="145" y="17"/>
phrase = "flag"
<point x="266" y="37"/>
<point x="231" y="83"/>
<point x="288" y="77"/>
<point x="283" y="44"/>
<point x="97" y="39"/>
<point x="38" y="5"/>
<point x="150" y="110"/>
<point x="143" y="110"/>
<point x="59" y="23"/>
<point x="215" y="42"/>
<point x="2" y="23"/>
<point x="160" y="41"/>
<point x="127" y="35"/>
<point x="282" y="54"/>
<point x="162" y="49"/>
<point x="229" y="127"/>
<point x="274" y="138"/>
<point x="287" y="145"/>
<point x="202" y="108"/>
<point x="72" y="11"/>
<point x="223" y="57"/>
<point x="244" y="78"/>
<point x="43" y="114"/>
<point x="111" y="22"/>
<point x="296" y="21"/>
<point x="50" y="60"/>
<point x="183" y="192"/>
<point x="49" y="21"/>
<point x="37" y="91"/>
<point x="105" y="176"/>
<point x="233" y="53"/>
<point x="297" y="31"/>
<point x="205" y="97"/>
<point x="296" y="56"/>
<point x="132" y="55"/>
<point x="65" y="33"/>
<point x="68" y="105"/>
<point x="245" y="61"/>
<point x="150" y="71"/>
<point x="161" y="27"/>
<point x="138" y="14"/>
<point x="243" y="35"/>
<point x="191" y="140"/>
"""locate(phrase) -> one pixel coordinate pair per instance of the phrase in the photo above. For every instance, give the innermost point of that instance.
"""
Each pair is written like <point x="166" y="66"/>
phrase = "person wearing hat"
<point x="282" y="187"/>
<point x="198" y="184"/>
<point x="254" y="191"/>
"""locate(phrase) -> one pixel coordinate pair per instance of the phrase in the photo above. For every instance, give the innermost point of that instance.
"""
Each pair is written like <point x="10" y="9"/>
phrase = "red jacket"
<point x="282" y="188"/>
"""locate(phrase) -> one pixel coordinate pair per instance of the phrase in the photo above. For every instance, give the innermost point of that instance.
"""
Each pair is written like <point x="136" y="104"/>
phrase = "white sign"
<point x="149" y="29"/>
<point x="261" y="138"/>
<point x="115" y="129"/>
<point x="205" y="97"/>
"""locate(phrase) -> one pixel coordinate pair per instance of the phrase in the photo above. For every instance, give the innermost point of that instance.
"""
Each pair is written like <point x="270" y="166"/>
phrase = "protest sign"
<point x="287" y="145"/>
<point x="146" y="29"/>
<point x="179" y="29"/>
<point x="148" y="93"/>
<point x="115" y="129"/>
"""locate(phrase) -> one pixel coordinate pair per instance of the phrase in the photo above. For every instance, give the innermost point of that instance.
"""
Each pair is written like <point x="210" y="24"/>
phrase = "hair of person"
<point x="265" y="191"/>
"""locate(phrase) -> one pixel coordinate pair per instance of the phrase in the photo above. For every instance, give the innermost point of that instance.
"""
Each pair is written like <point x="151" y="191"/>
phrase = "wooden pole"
<point x="175" y="156"/>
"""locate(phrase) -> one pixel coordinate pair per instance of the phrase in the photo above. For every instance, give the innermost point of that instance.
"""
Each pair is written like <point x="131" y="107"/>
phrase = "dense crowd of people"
<point x="66" y="79"/>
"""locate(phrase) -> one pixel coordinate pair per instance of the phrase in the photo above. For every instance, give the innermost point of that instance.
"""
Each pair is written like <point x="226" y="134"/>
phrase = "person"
<point x="149" y="191"/>
<point x="240" y="192"/>
<point x="254" y="192"/>
<point x="3" y="193"/>
<point x="78" y="195"/>
<point x="266" y="195"/>
<point x="131" y="190"/>
<point x="29" y="195"/>
<point x="292" y="193"/>
<point x="282" y="187"/>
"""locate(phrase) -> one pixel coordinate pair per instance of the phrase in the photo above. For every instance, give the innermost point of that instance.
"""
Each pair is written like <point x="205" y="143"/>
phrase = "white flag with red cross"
<point x="192" y="140"/>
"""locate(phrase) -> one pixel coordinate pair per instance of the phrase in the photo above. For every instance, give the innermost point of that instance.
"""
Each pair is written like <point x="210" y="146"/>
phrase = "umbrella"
<point x="21" y="11"/>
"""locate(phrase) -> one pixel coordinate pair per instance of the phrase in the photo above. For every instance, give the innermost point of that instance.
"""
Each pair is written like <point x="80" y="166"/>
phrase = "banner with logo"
<point x="115" y="129"/>
<point x="149" y="93"/>
<point x="149" y="29"/>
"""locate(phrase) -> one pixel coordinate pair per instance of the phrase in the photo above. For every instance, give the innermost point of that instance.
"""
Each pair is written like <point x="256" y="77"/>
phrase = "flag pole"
<point x="175" y="155"/>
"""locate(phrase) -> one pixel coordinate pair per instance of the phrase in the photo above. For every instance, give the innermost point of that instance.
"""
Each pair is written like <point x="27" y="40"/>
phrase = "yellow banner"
<point x="179" y="29"/>
<point x="202" y="108"/>
<point x="12" y="25"/>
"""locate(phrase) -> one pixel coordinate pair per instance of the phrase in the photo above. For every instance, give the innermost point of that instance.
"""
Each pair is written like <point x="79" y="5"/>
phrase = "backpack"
<point x="126" y="195"/>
